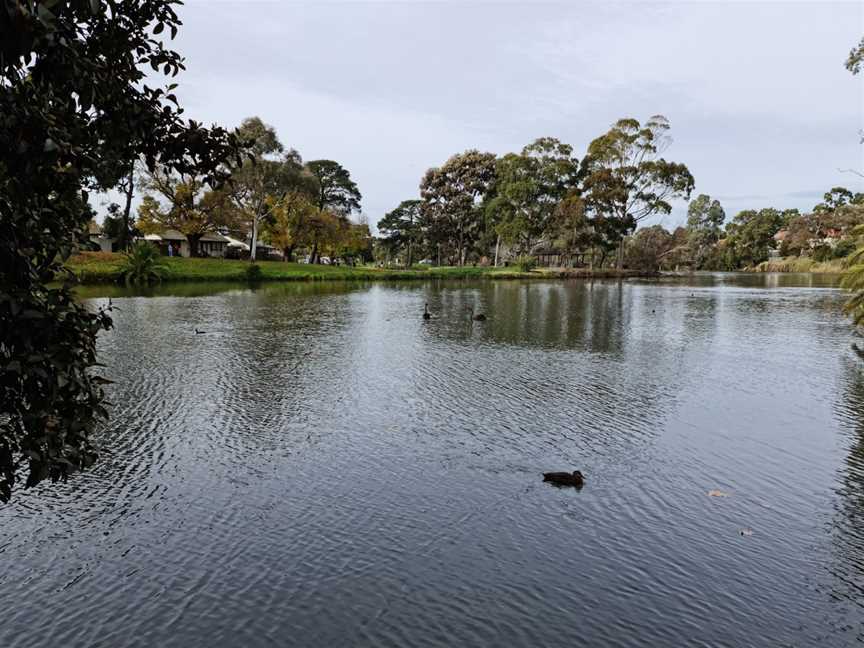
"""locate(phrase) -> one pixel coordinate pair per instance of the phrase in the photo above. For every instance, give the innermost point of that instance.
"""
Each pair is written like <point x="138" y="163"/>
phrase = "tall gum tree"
<point x="627" y="179"/>
<point x="452" y="197"/>
<point x="528" y="188"/>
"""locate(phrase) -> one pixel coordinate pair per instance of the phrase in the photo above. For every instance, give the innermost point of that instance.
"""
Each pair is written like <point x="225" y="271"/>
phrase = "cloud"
<point x="758" y="98"/>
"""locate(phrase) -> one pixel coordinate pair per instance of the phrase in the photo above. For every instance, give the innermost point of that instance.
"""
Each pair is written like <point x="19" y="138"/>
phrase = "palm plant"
<point x="853" y="280"/>
<point x="143" y="264"/>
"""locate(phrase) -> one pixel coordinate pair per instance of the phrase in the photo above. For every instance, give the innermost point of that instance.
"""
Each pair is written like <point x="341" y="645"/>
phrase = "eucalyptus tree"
<point x="705" y="219"/>
<point x="453" y="195"/>
<point x="401" y="227"/>
<point x="529" y="186"/>
<point x="75" y="107"/>
<point x="336" y="191"/>
<point x="626" y="179"/>
<point x="264" y="178"/>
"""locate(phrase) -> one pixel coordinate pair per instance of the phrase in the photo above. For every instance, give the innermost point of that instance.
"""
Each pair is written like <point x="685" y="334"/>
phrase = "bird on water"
<point x="575" y="478"/>
<point x="426" y="314"/>
<point x="477" y="317"/>
<point x="197" y="332"/>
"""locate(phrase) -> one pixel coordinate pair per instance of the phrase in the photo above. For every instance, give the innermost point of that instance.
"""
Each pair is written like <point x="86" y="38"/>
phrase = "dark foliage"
<point x="75" y="108"/>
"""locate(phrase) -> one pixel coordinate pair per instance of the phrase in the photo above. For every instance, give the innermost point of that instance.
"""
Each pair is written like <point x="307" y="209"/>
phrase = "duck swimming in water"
<point x="197" y="332"/>
<point x="478" y="317"/>
<point x="574" y="479"/>
<point x="426" y="314"/>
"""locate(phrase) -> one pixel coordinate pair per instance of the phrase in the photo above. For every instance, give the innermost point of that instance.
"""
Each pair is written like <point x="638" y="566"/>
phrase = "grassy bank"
<point x="105" y="267"/>
<point x="801" y="264"/>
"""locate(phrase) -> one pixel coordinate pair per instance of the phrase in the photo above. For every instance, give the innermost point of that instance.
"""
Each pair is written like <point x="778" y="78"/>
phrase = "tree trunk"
<point x="289" y="253"/>
<point x="130" y="187"/>
<point x="313" y="256"/>
<point x="193" y="239"/>
<point x="497" y="245"/>
<point x="409" y="254"/>
<point x="254" y="245"/>
<point x="621" y="254"/>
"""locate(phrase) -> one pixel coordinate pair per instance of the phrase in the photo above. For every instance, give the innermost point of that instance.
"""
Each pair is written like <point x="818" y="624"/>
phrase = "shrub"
<point x="142" y="264"/>
<point x="844" y="248"/>
<point x="821" y="253"/>
<point x="525" y="262"/>
<point x="253" y="272"/>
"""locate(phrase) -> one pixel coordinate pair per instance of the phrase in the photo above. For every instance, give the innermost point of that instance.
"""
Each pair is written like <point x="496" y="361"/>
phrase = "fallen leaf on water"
<point x="717" y="493"/>
<point x="746" y="532"/>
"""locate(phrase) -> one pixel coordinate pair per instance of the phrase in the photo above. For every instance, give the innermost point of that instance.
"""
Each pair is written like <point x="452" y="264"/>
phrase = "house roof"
<point x="173" y="235"/>
<point x="215" y="237"/>
<point x="152" y="237"/>
<point x="232" y="242"/>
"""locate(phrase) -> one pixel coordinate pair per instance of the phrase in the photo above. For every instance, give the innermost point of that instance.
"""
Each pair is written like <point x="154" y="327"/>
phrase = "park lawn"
<point x="106" y="267"/>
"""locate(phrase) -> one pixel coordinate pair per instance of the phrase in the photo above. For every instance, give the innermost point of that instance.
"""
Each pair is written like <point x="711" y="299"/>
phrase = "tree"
<point x="264" y="178"/>
<point x="288" y="220"/>
<point x="838" y="197"/>
<point x="528" y="188"/>
<point x="337" y="192"/>
<point x="401" y="227"/>
<point x="75" y="107"/>
<point x="570" y="227"/>
<point x="627" y="180"/>
<point x="751" y="234"/>
<point x="645" y="250"/>
<point x="118" y="225"/>
<point x="705" y="217"/>
<point x="452" y="197"/>
<point x="322" y="231"/>
<point x="856" y="56"/>
<point x="187" y="205"/>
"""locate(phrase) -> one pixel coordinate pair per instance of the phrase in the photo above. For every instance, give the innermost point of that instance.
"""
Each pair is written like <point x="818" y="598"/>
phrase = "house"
<point x="211" y="244"/>
<point x="98" y="239"/>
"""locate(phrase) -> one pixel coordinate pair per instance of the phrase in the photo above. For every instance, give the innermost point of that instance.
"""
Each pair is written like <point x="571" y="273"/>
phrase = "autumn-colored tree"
<point x="452" y="198"/>
<point x="289" y="215"/>
<point x="627" y="180"/>
<point x="264" y="178"/>
<point x="182" y="201"/>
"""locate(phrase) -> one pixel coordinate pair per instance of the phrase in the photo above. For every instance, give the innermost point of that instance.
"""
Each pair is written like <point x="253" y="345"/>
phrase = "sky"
<point x="762" y="109"/>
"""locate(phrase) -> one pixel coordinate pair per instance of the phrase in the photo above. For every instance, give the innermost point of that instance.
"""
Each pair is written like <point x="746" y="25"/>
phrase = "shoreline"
<point x="105" y="268"/>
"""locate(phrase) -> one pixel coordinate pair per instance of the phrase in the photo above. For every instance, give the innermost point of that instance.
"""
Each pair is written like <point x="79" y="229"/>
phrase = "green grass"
<point x="801" y="264"/>
<point x="105" y="267"/>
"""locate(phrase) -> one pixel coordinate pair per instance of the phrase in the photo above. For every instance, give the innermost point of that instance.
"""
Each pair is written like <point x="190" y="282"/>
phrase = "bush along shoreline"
<point x="106" y="267"/>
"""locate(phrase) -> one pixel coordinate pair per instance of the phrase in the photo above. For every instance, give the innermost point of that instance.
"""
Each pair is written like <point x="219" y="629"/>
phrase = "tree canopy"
<point x="337" y="192"/>
<point x="452" y="195"/>
<point x="75" y="109"/>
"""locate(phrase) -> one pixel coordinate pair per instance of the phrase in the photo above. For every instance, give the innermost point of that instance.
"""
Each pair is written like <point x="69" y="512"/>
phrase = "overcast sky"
<point x="762" y="109"/>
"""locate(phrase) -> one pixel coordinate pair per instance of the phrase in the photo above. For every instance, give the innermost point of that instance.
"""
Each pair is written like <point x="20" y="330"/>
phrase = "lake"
<point x="323" y="467"/>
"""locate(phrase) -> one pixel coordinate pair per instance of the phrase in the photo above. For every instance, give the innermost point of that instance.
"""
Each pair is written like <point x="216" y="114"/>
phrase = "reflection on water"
<point x="323" y="467"/>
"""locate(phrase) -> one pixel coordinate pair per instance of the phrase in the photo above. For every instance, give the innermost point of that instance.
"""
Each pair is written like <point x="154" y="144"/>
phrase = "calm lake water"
<point x="324" y="468"/>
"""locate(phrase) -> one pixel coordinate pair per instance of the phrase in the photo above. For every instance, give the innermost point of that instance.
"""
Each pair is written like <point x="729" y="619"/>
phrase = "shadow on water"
<point x="847" y="528"/>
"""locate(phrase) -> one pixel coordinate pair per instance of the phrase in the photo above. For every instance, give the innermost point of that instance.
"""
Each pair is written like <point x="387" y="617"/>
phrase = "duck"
<point x="575" y="479"/>
<point x="477" y="317"/>
<point x="426" y="314"/>
<point x="197" y="332"/>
